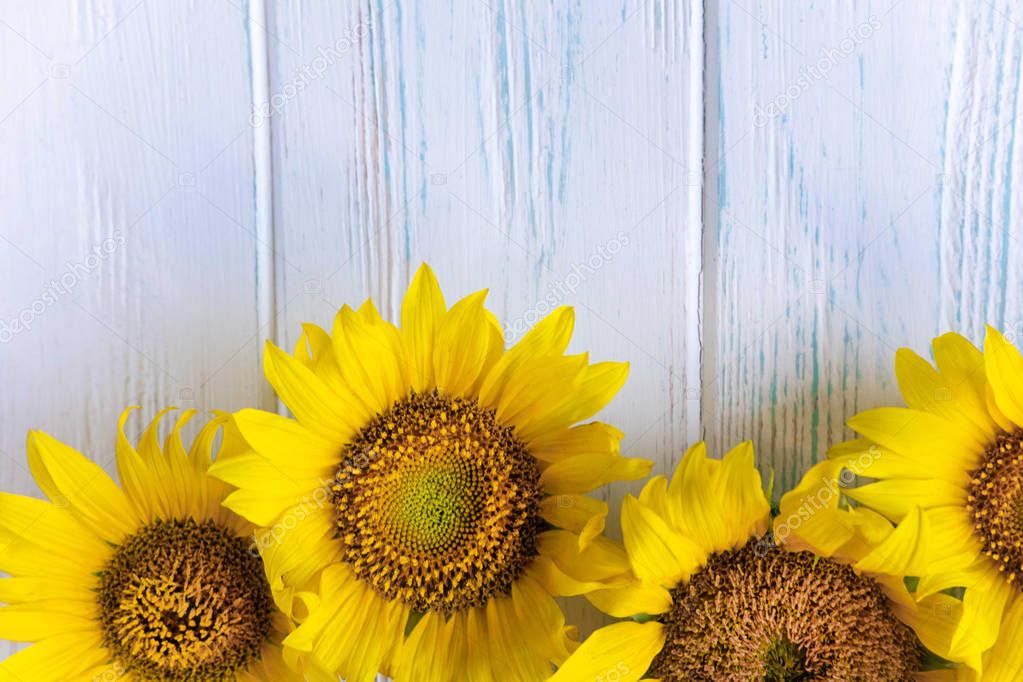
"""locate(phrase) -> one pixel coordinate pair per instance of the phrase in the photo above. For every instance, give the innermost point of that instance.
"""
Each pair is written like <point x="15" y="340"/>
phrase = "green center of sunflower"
<point x="995" y="501"/>
<point x="184" y="601"/>
<point x="784" y="661"/>
<point x="765" y="613"/>
<point x="437" y="504"/>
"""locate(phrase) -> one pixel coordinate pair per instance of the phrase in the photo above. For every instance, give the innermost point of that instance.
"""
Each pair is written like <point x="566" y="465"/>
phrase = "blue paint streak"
<point x="502" y="67"/>
<point x="988" y="243"/>
<point x="722" y="187"/>
<point x="403" y="118"/>
<point x="941" y="190"/>
<point x="573" y="42"/>
<point x="373" y="79"/>
<point x="420" y="66"/>
<point x="527" y="84"/>
<point x="1007" y="195"/>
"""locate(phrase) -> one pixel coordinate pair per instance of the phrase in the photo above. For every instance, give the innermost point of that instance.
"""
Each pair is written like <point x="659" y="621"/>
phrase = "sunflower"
<point x="422" y="507"/>
<point x="713" y="596"/>
<point x="150" y="581"/>
<point x="956" y="453"/>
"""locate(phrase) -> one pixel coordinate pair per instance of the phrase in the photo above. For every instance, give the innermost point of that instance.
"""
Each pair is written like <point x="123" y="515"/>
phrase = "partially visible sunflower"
<point x="423" y="505"/>
<point x="956" y="452"/>
<point x="150" y="581"/>
<point x="713" y="596"/>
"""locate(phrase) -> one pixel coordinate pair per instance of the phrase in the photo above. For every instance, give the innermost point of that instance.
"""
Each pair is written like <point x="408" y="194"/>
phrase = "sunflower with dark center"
<point x="714" y="596"/>
<point x="154" y="580"/>
<point x="432" y="504"/>
<point x="954" y="457"/>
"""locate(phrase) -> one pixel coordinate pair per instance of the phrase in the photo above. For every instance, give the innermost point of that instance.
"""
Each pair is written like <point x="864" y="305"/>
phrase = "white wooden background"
<point x="755" y="203"/>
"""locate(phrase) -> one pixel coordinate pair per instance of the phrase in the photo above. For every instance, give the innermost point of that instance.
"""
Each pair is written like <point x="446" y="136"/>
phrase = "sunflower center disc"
<point x="182" y="600"/>
<point x="995" y="502"/>
<point x="757" y="614"/>
<point x="437" y="504"/>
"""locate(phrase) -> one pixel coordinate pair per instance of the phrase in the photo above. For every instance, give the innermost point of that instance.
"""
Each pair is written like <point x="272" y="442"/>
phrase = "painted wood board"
<point x="127" y="257"/>
<point x="859" y="199"/>
<point x="548" y="152"/>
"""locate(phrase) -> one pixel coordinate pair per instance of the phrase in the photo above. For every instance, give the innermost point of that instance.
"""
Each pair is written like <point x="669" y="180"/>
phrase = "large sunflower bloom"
<point x="956" y="452"/>
<point x="713" y="596"/>
<point x="150" y="581"/>
<point x="421" y="503"/>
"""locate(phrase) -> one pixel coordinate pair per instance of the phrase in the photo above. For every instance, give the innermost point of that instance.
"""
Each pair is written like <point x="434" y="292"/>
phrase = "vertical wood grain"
<point x="548" y="152"/>
<point x="870" y="208"/>
<point x="127" y="248"/>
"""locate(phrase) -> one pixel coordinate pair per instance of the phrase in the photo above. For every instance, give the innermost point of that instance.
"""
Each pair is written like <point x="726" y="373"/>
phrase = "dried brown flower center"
<point x="762" y="613"/>
<point x="184" y="601"/>
<point x="437" y="504"/>
<point x="995" y="502"/>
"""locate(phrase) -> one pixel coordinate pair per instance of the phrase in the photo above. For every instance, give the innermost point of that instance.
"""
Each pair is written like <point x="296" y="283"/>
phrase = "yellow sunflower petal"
<point x="55" y="659"/>
<point x="895" y="498"/>
<point x="926" y="389"/>
<point x="582" y="473"/>
<point x="48" y="618"/>
<point x="38" y="588"/>
<point x="138" y="482"/>
<point x="377" y="347"/>
<point x="310" y="400"/>
<point x="539" y="385"/>
<point x="623" y="651"/>
<point x="991" y="403"/>
<point x="287" y="443"/>
<point x="951" y="534"/>
<point x="297" y="544"/>
<point x="962" y="366"/>
<point x="934" y="619"/>
<point x="582" y="439"/>
<point x="557" y="582"/>
<point x="808" y="516"/>
<point x="353" y="630"/>
<point x="468" y="344"/>
<point x="425" y="655"/>
<point x="68" y="478"/>
<point x="983" y="606"/>
<point x="718" y="504"/>
<point x="741" y="495"/>
<point x="905" y="551"/>
<point x="540" y="620"/>
<point x="549" y="337"/>
<point x="599" y="561"/>
<point x="269" y="666"/>
<point x="1005" y="660"/>
<point x="632" y="599"/>
<point x="1004" y="368"/>
<point x="422" y="312"/>
<point x="930" y="439"/>
<point x="520" y="649"/>
<point x="866" y="458"/>
<point x="658" y="553"/>
<point x="592" y="389"/>
<point x="48" y="531"/>
<point x="577" y="513"/>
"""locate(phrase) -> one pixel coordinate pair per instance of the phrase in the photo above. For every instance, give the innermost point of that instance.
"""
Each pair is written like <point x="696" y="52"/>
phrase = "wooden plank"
<point x="550" y="153"/>
<point x="127" y="256"/>
<point x="865" y="156"/>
